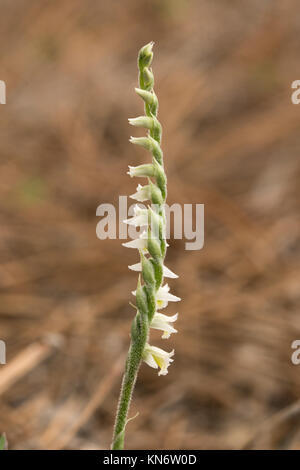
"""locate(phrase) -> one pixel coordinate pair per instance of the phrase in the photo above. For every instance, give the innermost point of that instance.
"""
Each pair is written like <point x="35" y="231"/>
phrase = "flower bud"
<point x="150" y="98"/>
<point x="142" y="141"/>
<point x="145" y="55"/>
<point x="149" y="144"/>
<point x="148" y="122"/>
<point x="142" y="121"/>
<point x="148" y="78"/>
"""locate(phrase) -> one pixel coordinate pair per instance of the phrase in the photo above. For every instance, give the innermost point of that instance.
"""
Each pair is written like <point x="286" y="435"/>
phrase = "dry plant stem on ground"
<point x="151" y="294"/>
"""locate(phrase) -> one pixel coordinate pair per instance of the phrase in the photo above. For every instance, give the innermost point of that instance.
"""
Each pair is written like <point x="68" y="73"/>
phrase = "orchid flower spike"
<point x="151" y="292"/>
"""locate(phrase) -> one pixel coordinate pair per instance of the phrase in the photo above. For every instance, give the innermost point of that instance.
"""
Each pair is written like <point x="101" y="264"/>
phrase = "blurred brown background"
<point x="223" y="73"/>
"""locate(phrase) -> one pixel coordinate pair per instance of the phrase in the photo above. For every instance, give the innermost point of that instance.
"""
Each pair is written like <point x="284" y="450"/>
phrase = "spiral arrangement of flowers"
<point x="151" y="294"/>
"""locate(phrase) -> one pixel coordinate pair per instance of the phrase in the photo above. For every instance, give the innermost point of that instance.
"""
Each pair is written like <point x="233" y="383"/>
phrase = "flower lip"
<point x="163" y="297"/>
<point x="166" y="271"/>
<point x="158" y="358"/>
<point x="162" y="322"/>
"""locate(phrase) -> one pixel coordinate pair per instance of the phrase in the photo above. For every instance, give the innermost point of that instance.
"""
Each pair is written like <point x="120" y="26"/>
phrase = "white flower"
<point x="148" y="96"/>
<point x="163" y="297"/>
<point x="157" y="358"/>
<point x="142" y="121"/>
<point x="143" y="193"/>
<point x="140" y="243"/>
<point x="162" y="322"/>
<point x="145" y="142"/>
<point x="144" y="170"/>
<point x="140" y="218"/>
<point x="166" y="271"/>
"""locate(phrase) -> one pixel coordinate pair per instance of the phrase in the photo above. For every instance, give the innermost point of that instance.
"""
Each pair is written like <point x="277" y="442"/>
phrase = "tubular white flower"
<point x="142" y="141"/>
<point x="139" y="243"/>
<point x="157" y="358"/>
<point x="148" y="96"/>
<point x="143" y="193"/>
<point x="163" y="297"/>
<point x="166" y="271"/>
<point x="142" y="121"/>
<point x="162" y="322"/>
<point x="140" y="218"/>
<point x="141" y="171"/>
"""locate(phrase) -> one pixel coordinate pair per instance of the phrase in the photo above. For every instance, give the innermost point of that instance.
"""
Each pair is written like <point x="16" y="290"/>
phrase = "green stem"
<point x="133" y="362"/>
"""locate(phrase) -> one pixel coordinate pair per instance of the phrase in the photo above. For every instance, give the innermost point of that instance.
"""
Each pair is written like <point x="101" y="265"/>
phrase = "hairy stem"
<point x="133" y="362"/>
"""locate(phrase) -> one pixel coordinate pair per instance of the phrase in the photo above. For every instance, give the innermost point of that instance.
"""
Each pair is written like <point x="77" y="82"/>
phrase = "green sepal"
<point x="147" y="270"/>
<point x="150" y="292"/>
<point x="150" y="99"/>
<point x="156" y="150"/>
<point x="153" y="246"/>
<point x="156" y="195"/>
<point x="160" y="177"/>
<point x="154" y="221"/>
<point x="141" y="299"/>
<point x="163" y="247"/>
<point x="156" y="130"/>
<point x="158" y="272"/>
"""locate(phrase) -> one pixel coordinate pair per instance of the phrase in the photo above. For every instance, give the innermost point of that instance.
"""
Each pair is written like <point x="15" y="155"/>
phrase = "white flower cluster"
<point x="153" y="356"/>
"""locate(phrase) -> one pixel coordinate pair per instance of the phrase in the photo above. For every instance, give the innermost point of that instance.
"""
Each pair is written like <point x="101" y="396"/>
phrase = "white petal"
<point x="167" y="329"/>
<point x="166" y="271"/>
<point x="136" y="267"/>
<point x="137" y="221"/>
<point x="139" y="243"/>
<point x="142" y="193"/>
<point x="148" y="358"/>
<point x="160" y="352"/>
<point x="164" y="295"/>
<point x="166" y="318"/>
<point x="162" y="322"/>
<point x="140" y="218"/>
